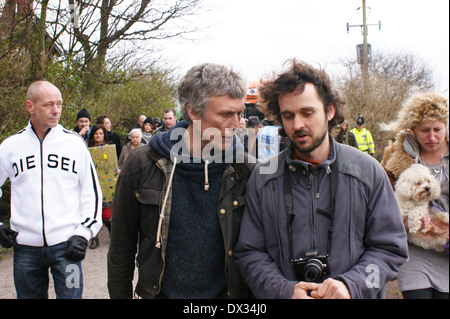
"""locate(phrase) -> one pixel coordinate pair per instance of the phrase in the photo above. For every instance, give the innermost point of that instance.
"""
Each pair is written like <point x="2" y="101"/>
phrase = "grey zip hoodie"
<point x="368" y="241"/>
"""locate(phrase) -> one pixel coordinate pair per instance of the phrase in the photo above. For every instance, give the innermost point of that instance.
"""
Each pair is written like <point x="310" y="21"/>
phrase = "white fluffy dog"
<point x="414" y="189"/>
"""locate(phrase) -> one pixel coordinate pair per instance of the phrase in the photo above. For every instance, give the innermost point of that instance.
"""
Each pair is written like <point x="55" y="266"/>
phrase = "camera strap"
<point x="288" y="205"/>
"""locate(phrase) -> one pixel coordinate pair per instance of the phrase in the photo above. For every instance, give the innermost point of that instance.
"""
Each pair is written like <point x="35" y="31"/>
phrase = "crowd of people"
<point x="323" y="222"/>
<point x="100" y="134"/>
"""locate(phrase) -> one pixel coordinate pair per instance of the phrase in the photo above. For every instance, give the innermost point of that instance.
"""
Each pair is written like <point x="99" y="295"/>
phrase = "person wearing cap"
<point x="147" y="130"/>
<point x="250" y="139"/>
<point x="83" y="127"/>
<point x="157" y="122"/>
<point x="363" y="137"/>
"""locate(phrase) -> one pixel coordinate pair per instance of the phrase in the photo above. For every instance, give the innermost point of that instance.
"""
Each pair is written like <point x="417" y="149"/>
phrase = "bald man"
<point x="55" y="199"/>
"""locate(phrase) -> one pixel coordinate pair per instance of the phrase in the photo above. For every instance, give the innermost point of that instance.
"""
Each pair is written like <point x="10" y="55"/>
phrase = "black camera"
<point x="311" y="269"/>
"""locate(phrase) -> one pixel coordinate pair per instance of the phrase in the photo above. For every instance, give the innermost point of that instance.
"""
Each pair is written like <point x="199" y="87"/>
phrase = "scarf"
<point x="195" y="248"/>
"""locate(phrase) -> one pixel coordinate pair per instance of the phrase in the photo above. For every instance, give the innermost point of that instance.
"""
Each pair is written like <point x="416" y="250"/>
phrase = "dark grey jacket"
<point x="368" y="242"/>
<point x="136" y="208"/>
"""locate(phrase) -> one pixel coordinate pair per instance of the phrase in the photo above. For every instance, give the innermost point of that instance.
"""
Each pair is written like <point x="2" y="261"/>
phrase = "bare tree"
<point x="22" y="36"/>
<point x="392" y="78"/>
<point x="94" y="27"/>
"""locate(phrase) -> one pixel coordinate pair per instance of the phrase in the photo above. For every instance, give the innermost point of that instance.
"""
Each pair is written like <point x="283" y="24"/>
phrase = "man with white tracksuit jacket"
<point x="55" y="199"/>
<point x="324" y="223"/>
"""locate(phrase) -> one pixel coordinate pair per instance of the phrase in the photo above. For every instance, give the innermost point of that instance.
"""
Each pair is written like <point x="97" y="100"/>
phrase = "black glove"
<point x="77" y="248"/>
<point x="7" y="236"/>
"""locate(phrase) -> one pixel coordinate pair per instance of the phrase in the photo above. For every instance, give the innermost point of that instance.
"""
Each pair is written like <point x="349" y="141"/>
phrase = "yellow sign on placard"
<point x="105" y="161"/>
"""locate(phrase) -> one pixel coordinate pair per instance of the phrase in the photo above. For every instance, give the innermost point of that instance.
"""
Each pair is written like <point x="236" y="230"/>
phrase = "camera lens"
<point x="313" y="270"/>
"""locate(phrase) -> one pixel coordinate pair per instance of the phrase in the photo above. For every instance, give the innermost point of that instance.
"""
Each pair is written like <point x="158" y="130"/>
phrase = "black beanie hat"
<point x="83" y="113"/>
<point x="149" y="120"/>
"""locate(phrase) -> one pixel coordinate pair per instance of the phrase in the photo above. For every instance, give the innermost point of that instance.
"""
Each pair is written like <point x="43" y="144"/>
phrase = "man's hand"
<point x="302" y="288"/>
<point x="7" y="236"/>
<point x="331" y="289"/>
<point x="76" y="250"/>
<point x="84" y="130"/>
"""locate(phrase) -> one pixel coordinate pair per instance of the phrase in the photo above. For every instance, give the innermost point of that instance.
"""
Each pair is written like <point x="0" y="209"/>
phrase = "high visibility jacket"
<point x="364" y="140"/>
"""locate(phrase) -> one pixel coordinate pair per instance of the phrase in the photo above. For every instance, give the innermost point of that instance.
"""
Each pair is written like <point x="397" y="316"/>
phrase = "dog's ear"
<point x="435" y="188"/>
<point x="403" y="188"/>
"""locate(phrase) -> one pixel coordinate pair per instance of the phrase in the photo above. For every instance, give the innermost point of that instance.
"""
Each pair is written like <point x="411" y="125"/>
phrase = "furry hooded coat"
<point x="396" y="159"/>
<point x="402" y="154"/>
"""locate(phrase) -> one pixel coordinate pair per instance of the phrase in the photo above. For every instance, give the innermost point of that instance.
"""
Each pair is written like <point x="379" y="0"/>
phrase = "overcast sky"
<point x="256" y="37"/>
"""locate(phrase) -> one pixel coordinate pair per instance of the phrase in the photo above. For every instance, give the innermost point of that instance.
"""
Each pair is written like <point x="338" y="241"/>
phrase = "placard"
<point x="105" y="161"/>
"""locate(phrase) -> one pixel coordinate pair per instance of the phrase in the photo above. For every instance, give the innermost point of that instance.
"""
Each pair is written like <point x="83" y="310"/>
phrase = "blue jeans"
<point x="31" y="277"/>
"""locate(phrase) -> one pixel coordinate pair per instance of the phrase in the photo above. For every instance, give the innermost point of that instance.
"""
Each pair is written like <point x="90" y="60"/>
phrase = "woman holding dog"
<point x="422" y="137"/>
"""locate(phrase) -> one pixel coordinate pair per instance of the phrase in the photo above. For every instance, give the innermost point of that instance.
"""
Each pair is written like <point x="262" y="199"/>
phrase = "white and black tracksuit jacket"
<point x="55" y="192"/>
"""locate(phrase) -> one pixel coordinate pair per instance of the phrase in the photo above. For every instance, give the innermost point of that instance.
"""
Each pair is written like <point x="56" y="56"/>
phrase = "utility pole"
<point x="364" y="51"/>
<point x="365" y="59"/>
